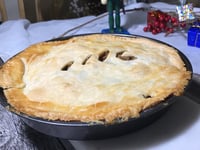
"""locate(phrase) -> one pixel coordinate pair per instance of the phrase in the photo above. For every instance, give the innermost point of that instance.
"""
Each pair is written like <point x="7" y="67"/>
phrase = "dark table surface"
<point x="16" y="135"/>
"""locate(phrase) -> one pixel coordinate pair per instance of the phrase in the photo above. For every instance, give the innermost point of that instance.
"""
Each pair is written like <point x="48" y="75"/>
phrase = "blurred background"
<point x="37" y="10"/>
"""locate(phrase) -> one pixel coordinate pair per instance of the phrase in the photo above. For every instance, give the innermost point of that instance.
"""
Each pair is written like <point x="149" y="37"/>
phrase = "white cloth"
<point x="179" y="128"/>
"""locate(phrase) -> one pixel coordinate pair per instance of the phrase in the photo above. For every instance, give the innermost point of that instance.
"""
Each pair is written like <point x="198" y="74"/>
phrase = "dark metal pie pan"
<point x="90" y="131"/>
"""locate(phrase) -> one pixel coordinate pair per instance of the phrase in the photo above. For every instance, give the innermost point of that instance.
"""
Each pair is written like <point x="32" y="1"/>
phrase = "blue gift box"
<point x="194" y="36"/>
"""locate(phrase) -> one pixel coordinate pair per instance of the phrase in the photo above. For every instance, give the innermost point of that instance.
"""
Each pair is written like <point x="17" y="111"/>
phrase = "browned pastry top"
<point x="92" y="78"/>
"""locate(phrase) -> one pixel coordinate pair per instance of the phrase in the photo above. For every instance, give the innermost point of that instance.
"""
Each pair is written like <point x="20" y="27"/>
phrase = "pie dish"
<point x="93" y="78"/>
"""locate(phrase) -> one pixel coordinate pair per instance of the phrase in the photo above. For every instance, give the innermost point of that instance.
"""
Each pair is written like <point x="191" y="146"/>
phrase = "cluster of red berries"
<point x="158" y="21"/>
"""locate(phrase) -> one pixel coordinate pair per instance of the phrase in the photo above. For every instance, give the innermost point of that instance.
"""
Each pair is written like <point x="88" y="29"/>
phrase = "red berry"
<point x="158" y="30"/>
<point x="157" y="24"/>
<point x="183" y="25"/>
<point x="149" y="27"/>
<point x="174" y="19"/>
<point x="170" y="30"/>
<point x="166" y="29"/>
<point x="162" y="26"/>
<point x="167" y="18"/>
<point x="145" y="29"/>
<point x="154" y="31"/>
<point x="175" y="24"/>
<point x="161" y="17"/>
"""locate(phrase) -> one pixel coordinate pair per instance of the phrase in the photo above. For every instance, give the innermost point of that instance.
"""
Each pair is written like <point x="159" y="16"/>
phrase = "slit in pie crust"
<point x="92" y="78"/>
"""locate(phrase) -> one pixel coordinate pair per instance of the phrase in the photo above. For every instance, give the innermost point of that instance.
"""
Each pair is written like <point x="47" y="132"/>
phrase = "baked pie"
<point x="92" y="78"/>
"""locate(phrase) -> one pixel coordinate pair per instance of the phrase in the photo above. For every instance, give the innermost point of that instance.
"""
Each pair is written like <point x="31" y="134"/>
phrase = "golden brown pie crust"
<point x="92" y="78"/>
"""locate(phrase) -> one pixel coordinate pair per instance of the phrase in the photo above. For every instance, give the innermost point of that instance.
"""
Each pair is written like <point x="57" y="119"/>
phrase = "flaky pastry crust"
<point x="92" y="78"/>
